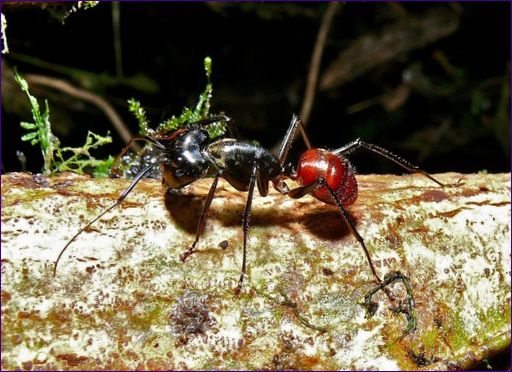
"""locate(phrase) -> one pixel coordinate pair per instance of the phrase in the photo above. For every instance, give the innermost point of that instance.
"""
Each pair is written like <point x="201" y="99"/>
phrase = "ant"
<point x="189" y="154"/>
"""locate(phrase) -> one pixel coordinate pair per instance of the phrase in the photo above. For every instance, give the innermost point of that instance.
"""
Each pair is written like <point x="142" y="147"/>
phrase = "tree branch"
<point x="122" y="299"/>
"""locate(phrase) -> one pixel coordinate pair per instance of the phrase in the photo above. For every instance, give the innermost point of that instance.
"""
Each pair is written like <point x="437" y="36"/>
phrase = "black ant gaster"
<point x="189" y="154"/>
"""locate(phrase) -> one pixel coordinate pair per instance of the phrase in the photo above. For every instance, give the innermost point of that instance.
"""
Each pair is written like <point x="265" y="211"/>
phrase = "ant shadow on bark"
<point x="185" y="211"/>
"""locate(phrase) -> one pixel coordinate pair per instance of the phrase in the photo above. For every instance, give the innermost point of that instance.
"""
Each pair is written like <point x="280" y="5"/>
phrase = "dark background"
<point x="453" y="115"/>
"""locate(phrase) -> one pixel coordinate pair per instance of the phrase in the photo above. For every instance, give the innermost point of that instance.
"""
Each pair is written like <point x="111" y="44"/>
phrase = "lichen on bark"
<point x="122" y="299"/>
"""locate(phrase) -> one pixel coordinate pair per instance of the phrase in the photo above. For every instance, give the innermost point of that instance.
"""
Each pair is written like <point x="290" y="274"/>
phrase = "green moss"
<point x="199" y="112"/>
<point x="430" y="339"/>
<point x="495" y="318"/>
<point x="40" y="132"/>
<point x="458" y="337"/>
<point x="138" y="111"/>
<point x="78" y="159"/>
<point x="153" y="314"/>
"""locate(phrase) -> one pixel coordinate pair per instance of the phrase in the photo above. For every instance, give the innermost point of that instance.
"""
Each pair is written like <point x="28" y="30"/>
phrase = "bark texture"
<point x="122" y="299"/>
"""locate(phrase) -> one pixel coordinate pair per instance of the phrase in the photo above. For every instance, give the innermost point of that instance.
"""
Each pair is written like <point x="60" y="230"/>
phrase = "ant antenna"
<point x="125" y="193"/>
<point x="354" y="145"/>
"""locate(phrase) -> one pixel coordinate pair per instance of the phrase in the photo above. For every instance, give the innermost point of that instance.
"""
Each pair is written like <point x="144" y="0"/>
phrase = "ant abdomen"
<point x="337" y="172"/>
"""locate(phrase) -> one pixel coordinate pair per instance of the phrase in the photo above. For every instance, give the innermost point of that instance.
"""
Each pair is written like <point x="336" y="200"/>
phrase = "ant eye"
<point x="180" y="158"/>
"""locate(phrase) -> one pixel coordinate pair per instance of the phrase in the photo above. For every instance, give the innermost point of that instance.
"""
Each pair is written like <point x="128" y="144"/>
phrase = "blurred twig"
<point x="316" y="58"/>
<point x="87" y="96"/>
<point x="91" y="80"/>
<point x="116" y="25"/>
<point x="377" y="48"/>
<point x="314" y="67"/>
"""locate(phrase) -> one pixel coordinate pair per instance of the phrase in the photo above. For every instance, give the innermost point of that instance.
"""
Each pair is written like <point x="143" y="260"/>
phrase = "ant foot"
<point x="406" y="307"/>
<point x="370" y="307"/>
<point x="186" y="254"/>
<point x="238" y="288"/>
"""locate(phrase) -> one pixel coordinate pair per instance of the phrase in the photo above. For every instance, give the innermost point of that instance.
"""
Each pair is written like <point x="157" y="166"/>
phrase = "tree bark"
<point x="122" y="299"/>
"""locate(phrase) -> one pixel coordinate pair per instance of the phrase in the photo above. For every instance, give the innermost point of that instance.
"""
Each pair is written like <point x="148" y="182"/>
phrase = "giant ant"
<point x="189" y="154"/>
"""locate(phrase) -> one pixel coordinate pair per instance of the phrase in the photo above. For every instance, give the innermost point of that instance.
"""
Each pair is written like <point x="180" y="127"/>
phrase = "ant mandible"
<point x="189" y="154"/>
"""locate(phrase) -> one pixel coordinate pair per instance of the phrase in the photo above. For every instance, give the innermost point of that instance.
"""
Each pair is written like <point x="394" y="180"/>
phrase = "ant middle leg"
<point x="202" y="219"/>
<point x="245" y="224"/>
<point x="356" y="144"/>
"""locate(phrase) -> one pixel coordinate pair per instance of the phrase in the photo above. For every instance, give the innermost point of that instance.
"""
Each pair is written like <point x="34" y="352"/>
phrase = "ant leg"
<point x="245" y="223"/>
<point x="352" y="227"/>
<point x="233" y="130"/>
<point x="320" y="182"/>
<point x="210" y="120"/>
<point x="202" y="219"/>
<point x="289" y="137"/>
<point x="354" y="145"/>
<point x="389" y="278"/>
<point x="125" y="193"/>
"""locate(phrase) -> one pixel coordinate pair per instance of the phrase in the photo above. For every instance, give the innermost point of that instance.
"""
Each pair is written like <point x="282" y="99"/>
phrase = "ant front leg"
<point x="408" y="311"/>
<point x="202" y="219"/>
<point x="354" y="145"/>
<point x="299" y="192"/>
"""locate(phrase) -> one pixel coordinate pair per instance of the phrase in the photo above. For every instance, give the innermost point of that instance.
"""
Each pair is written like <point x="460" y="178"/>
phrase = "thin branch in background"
<point x="314" y="67"/>
<point x="87" y="96"/>
<point x="116" y="25"/>
<point x="392" y="42"/>
<point x="5" y="48"/>
<point x="316" y="58"/>
<point x="443" y="60"/>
